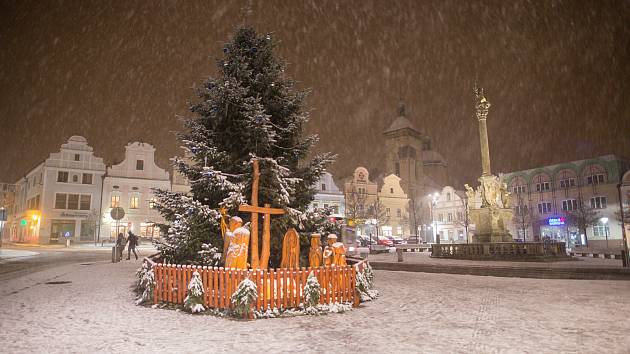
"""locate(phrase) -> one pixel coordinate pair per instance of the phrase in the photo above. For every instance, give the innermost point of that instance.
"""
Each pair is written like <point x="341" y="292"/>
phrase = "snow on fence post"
<point x="215" y="287"/>
<point x="156" y="270"/>
<point x="357" y="298"/>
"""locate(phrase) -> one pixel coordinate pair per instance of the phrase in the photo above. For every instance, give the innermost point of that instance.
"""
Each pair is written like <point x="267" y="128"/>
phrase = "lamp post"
<point x="434" y="198"/>
<point x="604" y="221"/>
<point x="625" y="258"/>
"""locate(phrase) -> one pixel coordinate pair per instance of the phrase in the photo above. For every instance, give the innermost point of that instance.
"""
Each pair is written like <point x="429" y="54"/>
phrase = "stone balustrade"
<point x="500" y="250"/>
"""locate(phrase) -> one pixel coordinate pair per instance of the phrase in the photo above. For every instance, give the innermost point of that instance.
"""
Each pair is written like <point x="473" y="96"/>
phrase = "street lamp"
<point x="604" y="221"/>
<point x="434" y="199"/>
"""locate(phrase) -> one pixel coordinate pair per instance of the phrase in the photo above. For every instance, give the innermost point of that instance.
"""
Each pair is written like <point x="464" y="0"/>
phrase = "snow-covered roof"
<point x="401" y="123"/>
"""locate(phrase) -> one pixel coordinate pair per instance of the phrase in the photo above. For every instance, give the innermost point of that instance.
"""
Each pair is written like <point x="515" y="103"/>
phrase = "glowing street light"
<point x="434" y="199"/>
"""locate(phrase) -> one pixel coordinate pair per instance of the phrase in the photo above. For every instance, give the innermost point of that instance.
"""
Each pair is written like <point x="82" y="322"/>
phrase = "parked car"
<point x="398" y="240"/>
<point x="382" y="240"/>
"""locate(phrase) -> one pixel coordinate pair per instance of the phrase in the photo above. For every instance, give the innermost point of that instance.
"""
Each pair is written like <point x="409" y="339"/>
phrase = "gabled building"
<point x="393" y="216"/>
<point x="361" y="195"/>
<point x="59" y="198"/>
<point x="129" y="185"/>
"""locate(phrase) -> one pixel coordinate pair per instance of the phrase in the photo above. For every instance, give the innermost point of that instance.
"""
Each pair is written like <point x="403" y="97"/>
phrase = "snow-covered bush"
<point x="364" y="285"/>
<point x="194" y="298"/>
<point x="146" y="282"/>
<point x="245" y="295"/>
<point x="312" y="291"/>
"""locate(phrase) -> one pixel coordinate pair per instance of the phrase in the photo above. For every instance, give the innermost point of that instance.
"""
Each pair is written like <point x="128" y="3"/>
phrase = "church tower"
<point x="410" y="156"/>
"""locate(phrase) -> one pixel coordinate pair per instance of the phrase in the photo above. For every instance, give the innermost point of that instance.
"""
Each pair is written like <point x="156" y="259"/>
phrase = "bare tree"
<point x="582" y="217"/>
<point x="522" y="216"/>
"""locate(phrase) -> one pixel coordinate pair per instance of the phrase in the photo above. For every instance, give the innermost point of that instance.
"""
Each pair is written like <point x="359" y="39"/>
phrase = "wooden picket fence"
<point x="277" y="288"/>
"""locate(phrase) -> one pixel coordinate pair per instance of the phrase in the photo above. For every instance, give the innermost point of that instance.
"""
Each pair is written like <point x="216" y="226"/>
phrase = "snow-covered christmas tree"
<point x="250" y="110"/>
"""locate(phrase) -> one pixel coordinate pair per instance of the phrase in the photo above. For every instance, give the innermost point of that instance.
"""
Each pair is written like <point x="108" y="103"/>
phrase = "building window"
<point x="460" y="216"/>
<point x="139" y="165"/>
<point x="544" y="208"/>
<point x="75" y="178"/>
<point x="115" y="200"/>
<point x="520" y="209"/>
<point x="522" y="233"/>
<point x="77" y="157"/>
<point x="567" y="183"/>
<point x="62" y="176"/>
<point x="569" y="204"/>
<point x="336" y="209"/>
<point x="449" y="217"/>
<point x="542" y="186"/>
<point x="152" y="203"/>
<point x="397" y="169"/>
<point x="600" y="230"/>
<point x="387" y="211"/>
<point x="361" y="190"/>
<point x="134" y="202"/>
<point x="87" y="230"/>
<point x="60" y="201"/>
<point x="598" y="202"/>
<point x="440" y="217"/>
<point x="323" y="186"/>
<point x="595" y="179"/>
<point x="398" y="213"/>
<point x="391" y="190"/>
<point x="387" y="230"/>
<point x="73" y="201"/>
<point x="315" y="205"/>
<point x="149" y="230"/>
<point x="85" y="202"/>
<point x="325" y="206"/>
<point x="448" y="197"/>
<point x="399" y="230"/>
<point x="87" y="178"/>
<point x="518" y="189"/>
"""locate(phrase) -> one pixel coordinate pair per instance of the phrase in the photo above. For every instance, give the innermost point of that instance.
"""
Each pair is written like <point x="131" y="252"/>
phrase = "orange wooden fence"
<point x="277" y="288"/>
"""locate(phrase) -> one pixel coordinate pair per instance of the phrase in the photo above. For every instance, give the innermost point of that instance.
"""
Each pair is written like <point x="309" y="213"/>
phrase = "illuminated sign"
<point x="555" y="221"/>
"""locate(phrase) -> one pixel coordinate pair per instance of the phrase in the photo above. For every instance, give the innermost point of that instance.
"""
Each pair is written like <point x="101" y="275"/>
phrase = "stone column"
<point x="482" y="113"/>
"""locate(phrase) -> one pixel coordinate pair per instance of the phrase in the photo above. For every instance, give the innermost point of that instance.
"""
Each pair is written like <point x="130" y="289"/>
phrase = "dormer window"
<point x="139" y="165"/>
<point x="323" y="186"/>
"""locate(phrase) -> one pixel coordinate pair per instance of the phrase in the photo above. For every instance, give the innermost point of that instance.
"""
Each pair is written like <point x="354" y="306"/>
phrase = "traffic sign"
<point x="117" y="213"/>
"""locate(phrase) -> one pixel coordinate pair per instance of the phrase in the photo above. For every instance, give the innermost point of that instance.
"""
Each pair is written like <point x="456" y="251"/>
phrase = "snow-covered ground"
<point x="416" y="312"/>
<point x="7" y="255"/>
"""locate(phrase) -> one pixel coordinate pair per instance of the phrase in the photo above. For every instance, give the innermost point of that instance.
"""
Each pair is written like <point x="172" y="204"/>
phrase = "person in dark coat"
<point x="132" y="242"/>
<point x="120" y="244"/>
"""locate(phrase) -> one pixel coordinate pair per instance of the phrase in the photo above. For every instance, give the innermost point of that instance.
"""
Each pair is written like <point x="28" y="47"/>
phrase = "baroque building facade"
<point x="328" y="195"/>
<point x="392" y="212"/>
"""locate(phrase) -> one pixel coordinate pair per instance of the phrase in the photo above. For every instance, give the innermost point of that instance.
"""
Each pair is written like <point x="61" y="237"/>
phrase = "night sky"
<point x="556" y="72"/>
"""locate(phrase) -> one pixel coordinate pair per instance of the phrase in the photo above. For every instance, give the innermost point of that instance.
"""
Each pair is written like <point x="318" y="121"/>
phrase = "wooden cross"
<point x="267" y="211"/>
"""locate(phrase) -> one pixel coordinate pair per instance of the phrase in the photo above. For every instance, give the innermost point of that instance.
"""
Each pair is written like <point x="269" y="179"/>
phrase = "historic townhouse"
<point x="449" y="214"/>
<point x="393" y="213"/>
<point x="548" y="200"/>
<point x="328" y="196"/>
<point x="59" y="198"/>
<point x="129" y="185"/>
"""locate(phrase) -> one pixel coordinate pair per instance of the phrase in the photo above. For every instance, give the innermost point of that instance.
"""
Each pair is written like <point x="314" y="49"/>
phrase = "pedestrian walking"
<point x="132" y="242"/>
<point x="120" y="245"/>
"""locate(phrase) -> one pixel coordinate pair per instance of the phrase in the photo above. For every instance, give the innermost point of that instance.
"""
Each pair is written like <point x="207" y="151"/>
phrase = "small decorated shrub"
<point x="244" y="296"/>
<point x="364" y="284"/>
<point x="194" y="298"/>
<point x="146" y="283"/>
<point x="312" y="291"/>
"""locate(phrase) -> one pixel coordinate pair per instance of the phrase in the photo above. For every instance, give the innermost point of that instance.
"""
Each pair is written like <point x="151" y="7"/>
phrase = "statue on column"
<point x="315" y="253"/>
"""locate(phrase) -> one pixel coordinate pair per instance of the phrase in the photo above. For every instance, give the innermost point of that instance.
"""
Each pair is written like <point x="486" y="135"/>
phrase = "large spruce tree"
<point x="250" y="111"/>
